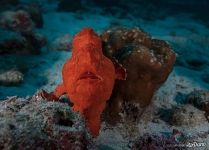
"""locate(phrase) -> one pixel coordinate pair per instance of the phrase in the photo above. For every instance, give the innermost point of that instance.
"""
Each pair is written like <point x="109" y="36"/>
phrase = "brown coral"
<point x="148" y="62"/>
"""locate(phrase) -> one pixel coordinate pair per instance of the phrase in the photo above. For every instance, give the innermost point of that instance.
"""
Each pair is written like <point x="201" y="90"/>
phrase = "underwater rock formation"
<point x="35" y="41"/>
<point x="11" y="77"/>
<point x="18" y="21"/>
<point x="187" y="115"/>
<point x="34" y="123"/>
<point x="34" y="10"/>
<point x="154" y="142"/>
<point x="148" y="63"/>
<point x="27" y="42"/>
<point x="200" y="100"/>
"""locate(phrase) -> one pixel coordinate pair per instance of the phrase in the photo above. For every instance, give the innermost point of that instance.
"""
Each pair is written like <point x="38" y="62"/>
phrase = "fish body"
<point x="88" y="78"/>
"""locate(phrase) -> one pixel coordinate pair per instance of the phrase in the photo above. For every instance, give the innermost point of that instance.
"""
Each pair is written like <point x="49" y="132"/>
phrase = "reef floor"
<point x="175" y="111"/>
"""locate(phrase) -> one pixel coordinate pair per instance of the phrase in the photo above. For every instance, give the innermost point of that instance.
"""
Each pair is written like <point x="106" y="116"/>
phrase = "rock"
<point x="35" y="13"/>
<point x="200" y="100"/>
<point x="187" y="115"/>
<point x="154" y="142"/>
<point x="62" y="43"/>
<point x="35" y="123"/>
<point x="18" y="21"/>
<point x="11" y="77"/>
<point x="148" y="63"/>
<point x="12" y="46"/>
<point x="25" y="43"/>
<point x="34" y="41"/>
<point x="23" y="39"/>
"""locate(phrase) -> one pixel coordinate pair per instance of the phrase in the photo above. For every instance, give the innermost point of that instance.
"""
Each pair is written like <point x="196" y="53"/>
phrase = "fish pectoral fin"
<point x="53" y="96"/>
<point x="59" y="91"/>
<point x="120" y="71"/>
<point x="48" y="96"/>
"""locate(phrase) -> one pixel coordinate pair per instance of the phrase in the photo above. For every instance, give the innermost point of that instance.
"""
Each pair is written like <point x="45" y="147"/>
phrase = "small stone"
<point x="11" y="77"/>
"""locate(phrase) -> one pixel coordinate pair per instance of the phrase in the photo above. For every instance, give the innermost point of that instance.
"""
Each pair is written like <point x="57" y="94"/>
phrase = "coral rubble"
<point x="148" y="63"/>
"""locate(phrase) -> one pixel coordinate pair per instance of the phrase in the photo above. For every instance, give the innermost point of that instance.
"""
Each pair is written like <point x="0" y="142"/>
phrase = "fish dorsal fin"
<point x="120" y="71"/>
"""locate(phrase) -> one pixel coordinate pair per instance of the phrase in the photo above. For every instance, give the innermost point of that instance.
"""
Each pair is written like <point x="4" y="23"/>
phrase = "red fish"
<point x="88" y="78"/>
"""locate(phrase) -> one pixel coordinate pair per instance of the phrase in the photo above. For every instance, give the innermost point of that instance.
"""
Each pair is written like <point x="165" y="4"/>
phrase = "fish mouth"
<point x="89" y="75"/>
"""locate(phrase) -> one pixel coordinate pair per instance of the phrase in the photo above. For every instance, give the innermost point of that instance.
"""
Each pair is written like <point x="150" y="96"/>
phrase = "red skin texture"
<point x="89" y="92"/>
